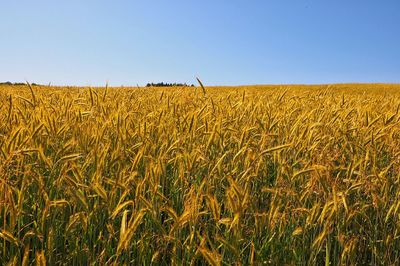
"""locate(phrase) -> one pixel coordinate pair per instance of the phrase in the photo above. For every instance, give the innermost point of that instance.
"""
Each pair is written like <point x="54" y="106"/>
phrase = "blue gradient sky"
<point x="89" y="42"/>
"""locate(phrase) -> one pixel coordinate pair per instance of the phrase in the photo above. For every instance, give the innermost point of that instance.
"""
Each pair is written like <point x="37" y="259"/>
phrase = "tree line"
<point x="17" y="83"/>
<point x="162" y="84"/>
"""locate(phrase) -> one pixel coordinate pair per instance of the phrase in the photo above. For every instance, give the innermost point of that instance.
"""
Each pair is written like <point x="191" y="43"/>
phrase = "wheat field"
<point x="250" y="175"/>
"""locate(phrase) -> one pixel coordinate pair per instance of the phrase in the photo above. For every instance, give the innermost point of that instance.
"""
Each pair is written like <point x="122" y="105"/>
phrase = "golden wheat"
<point x="227" y="175"/>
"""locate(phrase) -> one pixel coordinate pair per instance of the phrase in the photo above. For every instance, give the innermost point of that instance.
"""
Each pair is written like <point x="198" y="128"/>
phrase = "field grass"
<point x="157" y="176"/>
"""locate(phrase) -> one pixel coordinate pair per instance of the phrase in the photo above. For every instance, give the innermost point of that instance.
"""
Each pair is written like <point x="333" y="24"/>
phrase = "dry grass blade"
<point x="126" y="238"/>
<point x="201" y="85"/>
<point x="32" y="93"/>
<point x="212" y="258"/>
<point x="9" y="237"/>
<point x="277" y="148"/>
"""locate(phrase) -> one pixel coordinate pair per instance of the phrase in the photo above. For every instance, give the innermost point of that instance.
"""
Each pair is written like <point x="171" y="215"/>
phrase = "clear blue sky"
<point x="89" y="42"/>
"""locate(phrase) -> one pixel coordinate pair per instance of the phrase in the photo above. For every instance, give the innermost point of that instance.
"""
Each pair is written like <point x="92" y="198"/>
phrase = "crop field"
<point x="274" y="175"/>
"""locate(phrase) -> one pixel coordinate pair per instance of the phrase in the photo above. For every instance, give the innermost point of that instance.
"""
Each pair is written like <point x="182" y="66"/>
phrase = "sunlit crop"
<point x="220" y="176"/>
